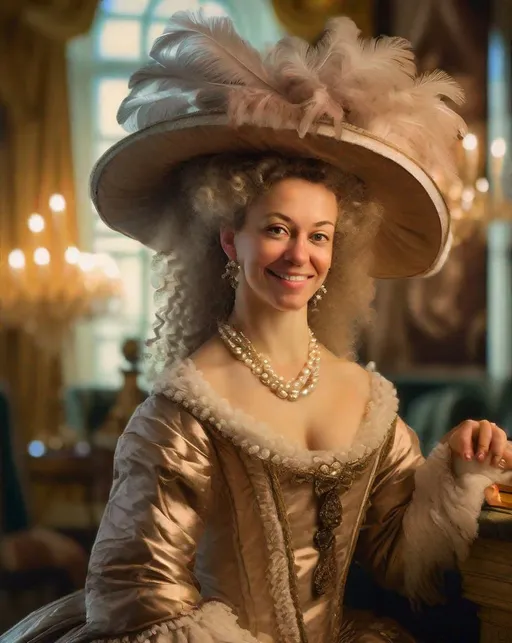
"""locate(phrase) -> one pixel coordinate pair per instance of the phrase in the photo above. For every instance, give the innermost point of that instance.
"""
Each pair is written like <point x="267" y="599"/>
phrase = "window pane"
<point x="110" y="93"/>
<point x="150" y="309"/>
<point x="100" y="228"/>
<point x="103" y="145"/>
<point x="155" y="30"/>
<point x="115" y="328"/>
<point x="212" y="9"/>
<point x="130" y="268"/>
<point x="115" y="242"/>
<point x="132" y="7"/>
<point x="108" y="361"/>
<point x="165" y="8"/>
<point x="120" y="39"/>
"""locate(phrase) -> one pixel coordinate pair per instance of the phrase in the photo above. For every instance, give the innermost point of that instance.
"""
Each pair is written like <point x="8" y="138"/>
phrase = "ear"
<point x="227" y="241"/>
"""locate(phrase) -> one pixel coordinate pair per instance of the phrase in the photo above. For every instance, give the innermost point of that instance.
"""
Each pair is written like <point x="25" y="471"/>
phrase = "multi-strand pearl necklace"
<point x="242" y="348"/>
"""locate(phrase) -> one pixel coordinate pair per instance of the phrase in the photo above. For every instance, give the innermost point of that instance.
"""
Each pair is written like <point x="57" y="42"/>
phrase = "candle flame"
<point x="36" y="223"/>
<point x="498" y="148"/>
<point x="72" y="255"/>
<point x="57" y="203"/>
<point x="41" y="256"/>
<point x="16" y="259"/>
<point x="482" y="185"/>
<point x="470" y="142"/>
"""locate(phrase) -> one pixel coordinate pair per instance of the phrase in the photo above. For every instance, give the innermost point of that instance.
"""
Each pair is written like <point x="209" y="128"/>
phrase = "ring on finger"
<point x="502" y="463"/>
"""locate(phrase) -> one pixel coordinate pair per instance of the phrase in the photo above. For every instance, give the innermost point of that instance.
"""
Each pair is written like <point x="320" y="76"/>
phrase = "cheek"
<point x="264" y="252"/>
<point x="322" y="259"/>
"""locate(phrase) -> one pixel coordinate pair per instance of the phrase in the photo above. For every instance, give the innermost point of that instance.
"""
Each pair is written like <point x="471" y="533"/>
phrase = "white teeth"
<point x="292" y="277"/>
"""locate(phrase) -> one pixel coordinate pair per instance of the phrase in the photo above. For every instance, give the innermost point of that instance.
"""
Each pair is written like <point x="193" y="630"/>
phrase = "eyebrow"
<point x="279" y="215"/>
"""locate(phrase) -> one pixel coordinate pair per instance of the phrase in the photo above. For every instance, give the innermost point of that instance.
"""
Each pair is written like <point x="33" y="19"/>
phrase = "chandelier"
<point x="475" y="200"/>
<point x="49" y="285"/>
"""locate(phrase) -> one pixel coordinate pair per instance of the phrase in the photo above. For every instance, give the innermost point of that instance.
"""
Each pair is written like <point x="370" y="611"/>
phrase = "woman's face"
<point x="285" y="245"/>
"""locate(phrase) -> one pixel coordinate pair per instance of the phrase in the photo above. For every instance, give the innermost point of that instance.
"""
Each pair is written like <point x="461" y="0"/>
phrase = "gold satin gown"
<point x="217" y="530"/>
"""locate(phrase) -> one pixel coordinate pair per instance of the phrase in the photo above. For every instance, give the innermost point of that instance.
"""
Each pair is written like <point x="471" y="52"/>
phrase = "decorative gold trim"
<point x="337" y="614"/>
<point x="328" y="488"/>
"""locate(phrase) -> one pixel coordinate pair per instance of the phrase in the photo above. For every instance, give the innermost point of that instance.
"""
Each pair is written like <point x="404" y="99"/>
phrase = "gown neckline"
<point x="186" y="385"/>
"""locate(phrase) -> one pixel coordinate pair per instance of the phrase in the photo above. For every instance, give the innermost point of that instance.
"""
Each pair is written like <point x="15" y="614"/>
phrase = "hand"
<point x="480" y="440"/>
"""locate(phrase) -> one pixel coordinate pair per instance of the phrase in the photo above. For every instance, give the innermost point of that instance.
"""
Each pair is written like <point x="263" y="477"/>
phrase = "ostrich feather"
<point x="295" y="69"/>
<point x="200" y="63"/>
<point x="209" y="50"/>
<point x="438" y="83"/>
<point x="388" y="60"/>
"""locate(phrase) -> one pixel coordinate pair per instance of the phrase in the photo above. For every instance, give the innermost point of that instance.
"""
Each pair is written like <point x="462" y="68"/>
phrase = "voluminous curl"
<point x="213" y="192"/>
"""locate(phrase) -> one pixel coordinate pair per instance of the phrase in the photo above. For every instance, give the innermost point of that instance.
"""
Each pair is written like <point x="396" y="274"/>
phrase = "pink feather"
<point x="201" y="63"/>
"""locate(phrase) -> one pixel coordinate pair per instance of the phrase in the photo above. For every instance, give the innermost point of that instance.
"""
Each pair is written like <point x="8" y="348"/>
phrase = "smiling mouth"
<point x="285" y="277"/>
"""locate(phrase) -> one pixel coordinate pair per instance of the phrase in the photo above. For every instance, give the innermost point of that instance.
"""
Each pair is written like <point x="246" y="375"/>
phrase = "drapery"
<point x="35" y="162"/>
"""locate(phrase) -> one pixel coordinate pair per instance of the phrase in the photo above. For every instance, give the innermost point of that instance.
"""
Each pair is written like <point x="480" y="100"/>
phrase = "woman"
<point x="274" y="190"/>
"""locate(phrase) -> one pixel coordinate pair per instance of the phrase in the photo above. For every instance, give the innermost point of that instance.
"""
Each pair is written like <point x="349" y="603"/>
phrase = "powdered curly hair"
<point x="212" y="192"/>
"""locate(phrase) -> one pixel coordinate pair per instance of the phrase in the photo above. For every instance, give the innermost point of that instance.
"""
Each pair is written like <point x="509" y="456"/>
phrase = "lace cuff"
<point x="442" y="520"/>
<point x="212" y="622"/>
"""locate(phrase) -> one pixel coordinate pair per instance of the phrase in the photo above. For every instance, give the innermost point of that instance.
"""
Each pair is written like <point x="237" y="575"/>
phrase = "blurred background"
<point x="76" y="298"/>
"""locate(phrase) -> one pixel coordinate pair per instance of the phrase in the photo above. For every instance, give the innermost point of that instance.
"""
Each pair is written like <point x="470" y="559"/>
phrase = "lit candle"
<point x="42" y="260"/>
<point x="36" y="223"/>
<point x="470" y="145"/>
<point x="71" y="260"/>
<point x="57" y="205"/>
<point x="16" y="261"/>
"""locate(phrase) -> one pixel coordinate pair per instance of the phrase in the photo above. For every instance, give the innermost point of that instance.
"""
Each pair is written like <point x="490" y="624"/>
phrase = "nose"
<point x="297" y="251"/>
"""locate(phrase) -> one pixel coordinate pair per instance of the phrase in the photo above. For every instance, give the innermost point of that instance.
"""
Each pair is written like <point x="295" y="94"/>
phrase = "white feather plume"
<point x="208" y="50"/>
<point x="201" y="63"/>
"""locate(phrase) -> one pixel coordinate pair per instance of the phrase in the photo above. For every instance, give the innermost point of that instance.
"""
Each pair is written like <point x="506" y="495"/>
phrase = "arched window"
<point x="100" y="66"/>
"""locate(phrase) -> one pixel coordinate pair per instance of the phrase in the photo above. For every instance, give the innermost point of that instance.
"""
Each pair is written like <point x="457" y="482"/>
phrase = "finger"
<point x="483" y="440"/>
<point x="461" y="441"/>
<point x="498" y="444"/>
<point x="505" y="462"/>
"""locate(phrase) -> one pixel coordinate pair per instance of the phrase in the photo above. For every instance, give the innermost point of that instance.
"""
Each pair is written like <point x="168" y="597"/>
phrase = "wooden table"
<point x="487" y="576"/>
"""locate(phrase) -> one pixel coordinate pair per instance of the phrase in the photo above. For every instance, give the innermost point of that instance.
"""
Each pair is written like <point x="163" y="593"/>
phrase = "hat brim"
<point x="128" y="183"/>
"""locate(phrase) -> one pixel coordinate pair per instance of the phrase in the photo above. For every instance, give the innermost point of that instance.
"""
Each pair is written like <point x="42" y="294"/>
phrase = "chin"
<point x="289" y="304"/>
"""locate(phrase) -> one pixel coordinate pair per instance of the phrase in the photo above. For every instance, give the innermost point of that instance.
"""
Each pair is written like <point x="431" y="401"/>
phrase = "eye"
<point x="320" y="237"/>
<point x="277" y="230"/>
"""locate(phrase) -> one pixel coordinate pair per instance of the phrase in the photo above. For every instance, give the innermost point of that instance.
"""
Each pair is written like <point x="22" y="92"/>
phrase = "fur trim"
<point x="187" y="386"/>
<point x="442" y="520"/>
<point x="213" y="622"/>
<point x="277" y="573"/>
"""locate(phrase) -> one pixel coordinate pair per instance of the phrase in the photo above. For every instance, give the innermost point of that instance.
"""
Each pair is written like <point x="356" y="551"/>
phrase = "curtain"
<point x="35" y="161"/>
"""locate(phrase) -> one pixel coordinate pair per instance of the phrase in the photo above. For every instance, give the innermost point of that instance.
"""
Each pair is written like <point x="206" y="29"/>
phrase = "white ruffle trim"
<point x="213" y="622"/>
<point x="186" y="385"/>
<point x="442" y="520"/>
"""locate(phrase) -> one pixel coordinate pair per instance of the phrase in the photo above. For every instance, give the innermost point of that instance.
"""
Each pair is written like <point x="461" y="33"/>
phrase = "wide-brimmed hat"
<point x="356" y="104"/>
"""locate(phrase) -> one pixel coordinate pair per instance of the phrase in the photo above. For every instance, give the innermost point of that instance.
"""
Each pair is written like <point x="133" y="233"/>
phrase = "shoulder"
<point x="343" y="370"/>
<point x="211" y="355"/>
<point x="161" y="425"/>
<point x="216" y="364"/>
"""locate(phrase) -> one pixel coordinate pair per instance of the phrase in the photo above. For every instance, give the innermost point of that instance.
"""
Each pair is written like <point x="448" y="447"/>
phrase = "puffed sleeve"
<point x="141" y="578"/>
<point x="422" y="515"/>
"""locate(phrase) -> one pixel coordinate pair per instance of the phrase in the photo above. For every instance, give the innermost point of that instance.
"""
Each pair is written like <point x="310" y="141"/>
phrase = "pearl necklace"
<point x="242" y="348"/>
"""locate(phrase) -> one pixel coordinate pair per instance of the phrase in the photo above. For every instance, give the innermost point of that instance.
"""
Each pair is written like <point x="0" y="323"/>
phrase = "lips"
<point x="287" y="277"/>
